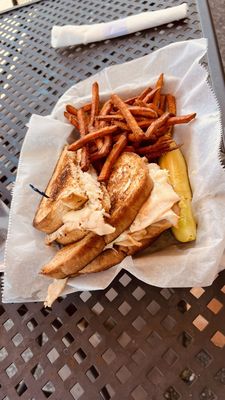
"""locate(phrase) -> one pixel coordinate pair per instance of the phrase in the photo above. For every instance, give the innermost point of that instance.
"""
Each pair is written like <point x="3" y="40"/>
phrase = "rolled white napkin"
<point x="70" y="35"/>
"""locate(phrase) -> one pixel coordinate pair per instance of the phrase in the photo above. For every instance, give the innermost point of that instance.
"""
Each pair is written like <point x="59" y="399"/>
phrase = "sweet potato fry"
<point x="107" y="130"/>
<point x="111" y="159"/>
<point x="129" y="149"/>
<point x="161" y="144"/>
<point x="154" y="155"/>
<point x="104" y="150"/>
<point x="108" y="140"/>
<point x="166" y="129"/>
<point x="142" y="111"/>
<point x="115" y="138"/>
<point x="157" y="124"/>
<point x="94" y="112"/>
<point x="99" y="143"/>
<point x="72" y="119"/>
<point x="171" y="107"/>
<point x="162" y="102"/>
<point x="136" y="145"/>
<point x="71" y="109"/>
<point x="163" y="130"/>
<point x="143" y="123"/>
<point x="160" y="126"/>
<point x="156" y="99"/>
<point x="107" y="143"/>
<point x="171" y="104"/>
<point x="159" y="85"/>
<point x="156" y="109"/>
<point x="104" y="145"/>
<point x="105" y="110"/>
<point x="150" y="95"/>
<point x="182" y="119"/>
<point x="94" y="104"/>
<point x="87" y="107"/>
<point x="131" y="100"/>
<point x="140" y="103"/>
<point x="122" y="125"/>
<point x="83" y="128"/>
<point x="123" y="108"/>
<point x="134" y="139"/>
<point x="92" y="147"/>
<point x="144" y="93"/>
<point x="85" y="159"/>
<point x="151" y="106"/>
<point x="109" y="118"/>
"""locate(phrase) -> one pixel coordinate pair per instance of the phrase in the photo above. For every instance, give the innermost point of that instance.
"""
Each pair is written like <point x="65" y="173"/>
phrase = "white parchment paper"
<point x="177" y="265"/>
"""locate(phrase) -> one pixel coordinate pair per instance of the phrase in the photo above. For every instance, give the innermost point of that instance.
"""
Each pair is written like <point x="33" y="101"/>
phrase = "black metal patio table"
<point x="130" y="341"/>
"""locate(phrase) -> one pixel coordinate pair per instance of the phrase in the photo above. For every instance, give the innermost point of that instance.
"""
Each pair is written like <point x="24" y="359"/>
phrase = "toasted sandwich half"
<point x="65" y="193"/>
<point x="159" y="213"/>
<point x="113" y="256"/>
<point x="128" y="187"/>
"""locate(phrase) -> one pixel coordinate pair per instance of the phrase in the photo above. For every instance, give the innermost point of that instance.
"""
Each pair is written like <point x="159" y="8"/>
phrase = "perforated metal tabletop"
<point x="130" y="341"/>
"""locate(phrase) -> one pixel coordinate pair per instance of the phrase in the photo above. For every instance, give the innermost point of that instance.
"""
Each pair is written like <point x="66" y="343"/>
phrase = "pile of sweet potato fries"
<point x="142" y="124"/>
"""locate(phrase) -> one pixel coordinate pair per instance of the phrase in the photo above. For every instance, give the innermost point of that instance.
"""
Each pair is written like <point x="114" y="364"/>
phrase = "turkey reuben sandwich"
<point x="116" y="188"/>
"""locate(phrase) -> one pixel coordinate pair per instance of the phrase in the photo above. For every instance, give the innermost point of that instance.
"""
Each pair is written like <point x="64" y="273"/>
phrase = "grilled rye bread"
<point x="65" y="193"/>
<point x="110" y="257"/>
<point x="129" y="186"/>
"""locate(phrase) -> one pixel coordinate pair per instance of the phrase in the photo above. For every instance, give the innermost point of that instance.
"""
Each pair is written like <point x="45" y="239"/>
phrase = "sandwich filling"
<point x="157" y="207"/>
<point x="91" y="216"/>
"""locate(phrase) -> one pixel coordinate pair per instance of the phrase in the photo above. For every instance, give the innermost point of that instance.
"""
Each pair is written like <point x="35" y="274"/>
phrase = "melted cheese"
<point x="159" y="203"/>
<point x="91" y="216"/>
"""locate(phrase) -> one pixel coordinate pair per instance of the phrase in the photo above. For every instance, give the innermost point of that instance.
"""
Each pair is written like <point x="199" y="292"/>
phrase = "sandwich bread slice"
<point x="113" y="256"/>
<point x="70" y="189"/>
<point x="129" y="186"/>
<point x="65" y="192"/>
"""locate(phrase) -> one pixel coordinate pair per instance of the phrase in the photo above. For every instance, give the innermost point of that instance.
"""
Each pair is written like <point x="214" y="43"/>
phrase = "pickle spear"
<point x="175" y="163"/>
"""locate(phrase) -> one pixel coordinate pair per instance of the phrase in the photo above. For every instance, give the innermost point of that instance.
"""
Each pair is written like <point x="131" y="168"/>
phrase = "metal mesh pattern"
<point x="131" y="341"/>
<point x="34" y="75"/>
